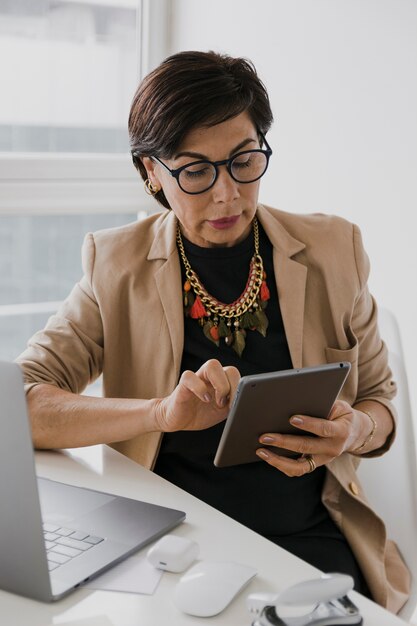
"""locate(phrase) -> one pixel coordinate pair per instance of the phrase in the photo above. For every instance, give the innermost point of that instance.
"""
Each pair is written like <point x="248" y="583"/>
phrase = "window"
<point x="65" y="167"/>
<point x="39" y="264"/>
<point x="73" y="74"/>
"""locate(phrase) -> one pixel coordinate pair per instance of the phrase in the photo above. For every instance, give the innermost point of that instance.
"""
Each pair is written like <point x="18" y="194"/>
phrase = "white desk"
<point x="219" y="537"/>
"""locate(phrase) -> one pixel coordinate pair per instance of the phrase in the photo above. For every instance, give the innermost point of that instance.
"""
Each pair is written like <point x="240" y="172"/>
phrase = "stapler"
<point x="316" y="602"/>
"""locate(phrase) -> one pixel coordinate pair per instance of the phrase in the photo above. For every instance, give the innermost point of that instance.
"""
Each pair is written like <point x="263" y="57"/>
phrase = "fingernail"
<point x="223" y="401"/>
<point x="297" y="420"/>
<point x="207" y="397"/>
<point x="266" y="439"/>
<point x="263" y="453"/>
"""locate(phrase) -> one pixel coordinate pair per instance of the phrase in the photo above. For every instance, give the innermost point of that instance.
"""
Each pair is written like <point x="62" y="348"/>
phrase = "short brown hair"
<point x="192" y="89"/>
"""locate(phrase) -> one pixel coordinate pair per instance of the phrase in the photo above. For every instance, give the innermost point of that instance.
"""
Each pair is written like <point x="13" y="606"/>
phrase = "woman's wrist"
<point x="372" y="438"/>
<point x="155" y="417"/>
<point x="366" y="441"/>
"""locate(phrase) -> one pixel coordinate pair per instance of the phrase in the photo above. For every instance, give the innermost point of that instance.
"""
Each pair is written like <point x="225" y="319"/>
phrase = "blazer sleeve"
<point x="68" y="352"/>
<point x="374" y="375"/>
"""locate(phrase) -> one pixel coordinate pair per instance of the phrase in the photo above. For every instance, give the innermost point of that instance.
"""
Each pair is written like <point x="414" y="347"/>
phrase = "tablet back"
<point x="265" y="402"/>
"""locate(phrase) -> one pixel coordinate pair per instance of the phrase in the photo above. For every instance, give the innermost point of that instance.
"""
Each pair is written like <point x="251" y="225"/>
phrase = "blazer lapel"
<point x="290" y="276"/>
<point x="168" y="284"/>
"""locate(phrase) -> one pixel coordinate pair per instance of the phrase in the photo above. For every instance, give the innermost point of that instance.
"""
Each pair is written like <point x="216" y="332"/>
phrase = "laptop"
<point x="54" y="536"/>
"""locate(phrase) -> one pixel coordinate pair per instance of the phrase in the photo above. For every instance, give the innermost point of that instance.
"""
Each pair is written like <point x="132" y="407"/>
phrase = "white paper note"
<point x="133" y="575"/>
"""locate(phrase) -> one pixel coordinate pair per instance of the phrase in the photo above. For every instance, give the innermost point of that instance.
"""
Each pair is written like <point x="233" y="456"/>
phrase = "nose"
<point x="225" y="188"/>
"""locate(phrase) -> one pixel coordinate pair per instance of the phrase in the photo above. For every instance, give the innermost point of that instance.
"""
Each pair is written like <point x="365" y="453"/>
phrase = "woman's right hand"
<point x="200" y="400"/>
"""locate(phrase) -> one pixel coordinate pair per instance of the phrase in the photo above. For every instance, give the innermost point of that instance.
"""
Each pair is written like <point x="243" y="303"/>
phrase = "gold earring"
<point x="150" y="188"/>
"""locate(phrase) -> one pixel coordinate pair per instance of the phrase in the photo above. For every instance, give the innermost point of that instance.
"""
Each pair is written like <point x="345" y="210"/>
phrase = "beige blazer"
<point x="125" y="319"/>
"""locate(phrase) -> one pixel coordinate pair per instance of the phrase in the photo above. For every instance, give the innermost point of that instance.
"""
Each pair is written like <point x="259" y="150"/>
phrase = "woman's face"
<point x="222" y="215"/>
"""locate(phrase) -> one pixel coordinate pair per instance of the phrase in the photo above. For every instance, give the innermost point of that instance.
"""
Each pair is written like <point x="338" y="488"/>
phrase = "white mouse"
<point x="209" y="586"/>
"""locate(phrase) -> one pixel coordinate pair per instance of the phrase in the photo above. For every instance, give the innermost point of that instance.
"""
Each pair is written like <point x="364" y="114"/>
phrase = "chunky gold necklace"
<point x="228" y="321"/>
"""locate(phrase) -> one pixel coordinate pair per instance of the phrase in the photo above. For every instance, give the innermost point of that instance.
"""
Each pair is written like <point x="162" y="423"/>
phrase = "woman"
<point x="172" y="310"/>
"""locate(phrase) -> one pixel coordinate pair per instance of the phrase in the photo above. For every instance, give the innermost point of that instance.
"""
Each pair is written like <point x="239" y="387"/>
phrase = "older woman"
<point x="163" y="312"/>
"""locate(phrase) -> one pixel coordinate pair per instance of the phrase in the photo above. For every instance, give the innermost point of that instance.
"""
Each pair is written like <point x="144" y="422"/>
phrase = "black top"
<point x="286" y="510"/>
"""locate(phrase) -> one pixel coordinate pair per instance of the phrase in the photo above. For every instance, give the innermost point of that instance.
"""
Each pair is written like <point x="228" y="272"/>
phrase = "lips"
<point x="224" y="222"/>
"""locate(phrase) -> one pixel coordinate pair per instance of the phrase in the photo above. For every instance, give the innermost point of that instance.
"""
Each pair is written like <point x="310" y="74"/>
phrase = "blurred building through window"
<point x="40" y="261"/>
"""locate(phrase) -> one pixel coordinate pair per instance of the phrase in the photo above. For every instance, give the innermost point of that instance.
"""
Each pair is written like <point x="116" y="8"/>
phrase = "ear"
<point x="151" y="171"/>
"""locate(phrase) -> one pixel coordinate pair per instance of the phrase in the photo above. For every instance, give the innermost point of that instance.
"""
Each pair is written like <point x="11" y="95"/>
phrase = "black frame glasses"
<point x="216" y="164"/>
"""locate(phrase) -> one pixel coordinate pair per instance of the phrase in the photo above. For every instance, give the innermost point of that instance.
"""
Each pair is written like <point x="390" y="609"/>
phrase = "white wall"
<point x="341" y="75"/>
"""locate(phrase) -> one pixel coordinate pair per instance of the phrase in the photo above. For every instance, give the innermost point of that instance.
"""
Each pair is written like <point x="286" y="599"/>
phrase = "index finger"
<point x="223" y="380"/>
<point x="233" y="376"/>
<point x="315" y="425"/>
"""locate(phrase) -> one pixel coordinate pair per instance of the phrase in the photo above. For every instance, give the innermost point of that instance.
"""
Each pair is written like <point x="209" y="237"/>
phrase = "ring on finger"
<point x="311" y="462"/>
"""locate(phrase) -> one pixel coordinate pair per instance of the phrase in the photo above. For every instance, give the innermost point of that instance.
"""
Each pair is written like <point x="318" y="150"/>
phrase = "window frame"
<point x="61" y="183"/>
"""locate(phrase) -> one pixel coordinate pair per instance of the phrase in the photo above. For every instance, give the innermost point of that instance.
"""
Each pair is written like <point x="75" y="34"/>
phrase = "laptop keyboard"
<point x="63" y="544"/>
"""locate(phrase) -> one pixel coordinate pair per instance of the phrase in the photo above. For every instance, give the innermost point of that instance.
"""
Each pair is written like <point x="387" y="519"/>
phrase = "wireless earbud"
<point x="173" y="554"/>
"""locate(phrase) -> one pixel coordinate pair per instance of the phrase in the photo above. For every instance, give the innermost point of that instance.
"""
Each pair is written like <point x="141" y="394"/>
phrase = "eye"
<point x="200" y="170"/>
<point x="196" y="173"/>
<point x="242" y="161"/>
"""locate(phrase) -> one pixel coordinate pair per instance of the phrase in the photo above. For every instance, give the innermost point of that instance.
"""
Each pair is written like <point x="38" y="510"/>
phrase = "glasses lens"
<point x="197" y="177"/>
<point x="249" y="166"/>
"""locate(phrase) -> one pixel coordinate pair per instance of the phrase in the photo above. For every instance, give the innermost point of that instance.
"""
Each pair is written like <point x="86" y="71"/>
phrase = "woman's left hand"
<point x="335" y="435"/>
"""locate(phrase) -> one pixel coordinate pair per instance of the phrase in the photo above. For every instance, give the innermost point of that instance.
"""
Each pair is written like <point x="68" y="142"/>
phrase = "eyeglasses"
<point x="244" y="167"/>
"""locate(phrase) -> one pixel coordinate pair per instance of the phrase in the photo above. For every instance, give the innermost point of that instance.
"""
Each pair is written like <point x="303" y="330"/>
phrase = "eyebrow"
<point x="198" y="155"/>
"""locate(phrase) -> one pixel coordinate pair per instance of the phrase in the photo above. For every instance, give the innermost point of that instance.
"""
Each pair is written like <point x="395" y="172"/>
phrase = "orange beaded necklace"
<point x="228" y="321"/>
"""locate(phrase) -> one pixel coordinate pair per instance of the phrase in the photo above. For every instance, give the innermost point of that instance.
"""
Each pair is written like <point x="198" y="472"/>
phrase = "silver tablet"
<point x="264" y="403"/>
